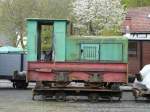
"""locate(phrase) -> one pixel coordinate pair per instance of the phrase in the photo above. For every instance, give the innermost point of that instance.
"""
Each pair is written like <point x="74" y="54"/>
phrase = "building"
<point x="136" y="27"/>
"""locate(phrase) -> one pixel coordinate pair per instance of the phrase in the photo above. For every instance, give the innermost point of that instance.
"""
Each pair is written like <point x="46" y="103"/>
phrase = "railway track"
<point x="21" y="99"/>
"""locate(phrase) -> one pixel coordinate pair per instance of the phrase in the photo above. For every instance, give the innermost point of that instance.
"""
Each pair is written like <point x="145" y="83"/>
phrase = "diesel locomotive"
<point x="100" y="63"/>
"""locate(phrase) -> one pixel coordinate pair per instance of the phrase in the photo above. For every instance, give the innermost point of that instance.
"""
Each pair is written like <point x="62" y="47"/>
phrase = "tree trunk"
<point x="21" y="40"/>
<point x="91" y="29"/>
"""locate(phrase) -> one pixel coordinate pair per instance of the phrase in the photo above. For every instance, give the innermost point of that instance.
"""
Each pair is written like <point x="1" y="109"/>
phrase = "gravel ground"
<point x="20" y="101"/>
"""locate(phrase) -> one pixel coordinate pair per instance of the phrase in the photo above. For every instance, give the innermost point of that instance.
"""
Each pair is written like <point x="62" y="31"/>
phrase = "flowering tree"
<point x="96" y="15"/>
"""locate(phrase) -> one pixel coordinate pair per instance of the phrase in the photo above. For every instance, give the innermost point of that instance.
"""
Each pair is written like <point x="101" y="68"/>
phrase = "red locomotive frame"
<point x="47" y="71"/>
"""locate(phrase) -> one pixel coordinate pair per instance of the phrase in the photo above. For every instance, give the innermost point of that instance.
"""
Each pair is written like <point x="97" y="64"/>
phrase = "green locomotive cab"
<point x="74" y="48"/>
<point x="34" y="27"/>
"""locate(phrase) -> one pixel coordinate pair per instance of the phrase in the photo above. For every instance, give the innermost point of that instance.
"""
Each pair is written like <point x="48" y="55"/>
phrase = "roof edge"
<point x="45" y="19"/>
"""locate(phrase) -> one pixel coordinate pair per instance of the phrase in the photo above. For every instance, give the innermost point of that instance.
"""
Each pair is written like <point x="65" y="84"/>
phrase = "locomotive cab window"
<point x="46" y="36"/>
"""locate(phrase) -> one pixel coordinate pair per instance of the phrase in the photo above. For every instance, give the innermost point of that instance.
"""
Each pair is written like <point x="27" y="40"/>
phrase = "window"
<point x="90" y="51"/>
<point x="132" y="48"/>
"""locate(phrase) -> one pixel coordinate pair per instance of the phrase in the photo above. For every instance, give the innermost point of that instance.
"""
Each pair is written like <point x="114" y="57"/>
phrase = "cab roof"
<point x="46" y="20"/>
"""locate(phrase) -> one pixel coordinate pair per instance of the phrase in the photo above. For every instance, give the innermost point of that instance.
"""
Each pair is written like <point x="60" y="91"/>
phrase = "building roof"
<point x="137" y="20"/>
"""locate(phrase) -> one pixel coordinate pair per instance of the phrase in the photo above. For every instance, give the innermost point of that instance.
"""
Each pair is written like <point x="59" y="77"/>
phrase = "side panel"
<point x="111" y="52"/>
<point x="32" y="40"/>
<point x="115" y="49"/>
<point x="9" y="63"/>
<point x="101" y="72"/>
<point x="59" y="40"/>
<point x="72" y="50"/>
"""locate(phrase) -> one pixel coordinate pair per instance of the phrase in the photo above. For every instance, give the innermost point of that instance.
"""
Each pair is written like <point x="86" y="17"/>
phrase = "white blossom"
<point x="99" y="14"/>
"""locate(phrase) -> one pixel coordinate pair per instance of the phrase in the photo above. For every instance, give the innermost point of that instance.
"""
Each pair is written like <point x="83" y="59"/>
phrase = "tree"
<point x="13" y="14"/>
<point x="96" y="15"/>
<point x="135" y="3"/>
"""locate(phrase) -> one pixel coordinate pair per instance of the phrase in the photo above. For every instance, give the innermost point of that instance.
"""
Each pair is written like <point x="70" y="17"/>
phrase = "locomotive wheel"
<point x="93" y="97"/>
<point x="60" y="96"/>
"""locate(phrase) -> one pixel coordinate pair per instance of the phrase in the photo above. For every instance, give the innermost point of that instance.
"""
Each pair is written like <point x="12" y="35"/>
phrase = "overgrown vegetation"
<point x="135" y="3"/>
